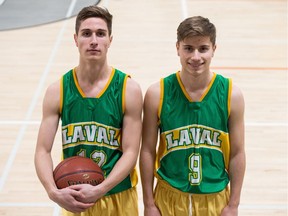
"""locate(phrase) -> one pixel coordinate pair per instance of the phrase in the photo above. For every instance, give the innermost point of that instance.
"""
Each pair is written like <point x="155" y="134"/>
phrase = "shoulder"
<point x="133" y="87"/>
<point x="237" y="100"/>
<point x="54" y="88"/>
<point x="154" y="89"/>
<point x="152" y="95"/>
<point x="236" y="93"/>
<point x="133" y="96"/>
<point x="131" y="84"/>
<point x="52" y="96"/>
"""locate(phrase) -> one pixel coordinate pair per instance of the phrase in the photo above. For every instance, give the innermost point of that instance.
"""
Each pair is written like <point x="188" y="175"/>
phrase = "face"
<point x="195" y="54"/>
<point x="93" y="39"/>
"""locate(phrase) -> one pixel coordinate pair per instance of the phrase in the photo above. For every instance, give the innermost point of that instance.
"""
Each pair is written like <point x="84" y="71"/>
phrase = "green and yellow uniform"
<point x="91" y="126"/>
<point x="194" y="148"/>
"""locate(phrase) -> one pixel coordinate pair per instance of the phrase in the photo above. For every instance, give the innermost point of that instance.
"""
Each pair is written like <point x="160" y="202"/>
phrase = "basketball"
<point x="77" y="170"/>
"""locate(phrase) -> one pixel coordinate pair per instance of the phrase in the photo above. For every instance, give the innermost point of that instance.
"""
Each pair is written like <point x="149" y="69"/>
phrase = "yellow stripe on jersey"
<point x="161" y="99"/>
<point x="229" y="96"/>
<point x="186" y="93"/>
<point x="107" y="84"/>
<point x="209" y="86"/>
<point x="194" y="136"/>
<point x="101" y="92"/>
<point x="124" y="93"/>
<point x="90" y="133"/>
<point x="77" y="84"/>
<point x="61" y="95"/>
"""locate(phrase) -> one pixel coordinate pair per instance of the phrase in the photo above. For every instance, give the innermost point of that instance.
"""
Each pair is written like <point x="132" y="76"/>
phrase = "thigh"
<point x="210" y="204"/>
<point x="171" y="201"/>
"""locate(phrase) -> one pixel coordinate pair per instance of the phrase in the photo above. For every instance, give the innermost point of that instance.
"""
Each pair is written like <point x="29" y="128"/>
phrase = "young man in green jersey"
<point x="200" y="160"/>
<point x="100" y="109"/>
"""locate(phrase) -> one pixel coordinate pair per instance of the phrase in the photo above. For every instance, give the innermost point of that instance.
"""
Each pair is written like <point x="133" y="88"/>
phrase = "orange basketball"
<point x="77" y="170"/>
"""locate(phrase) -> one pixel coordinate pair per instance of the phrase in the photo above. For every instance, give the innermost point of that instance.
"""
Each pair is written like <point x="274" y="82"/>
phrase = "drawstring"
<point x="190" y="204"/>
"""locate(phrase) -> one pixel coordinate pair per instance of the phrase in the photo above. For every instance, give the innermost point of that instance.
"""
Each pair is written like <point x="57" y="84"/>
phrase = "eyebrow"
<point x="88" y="29"/>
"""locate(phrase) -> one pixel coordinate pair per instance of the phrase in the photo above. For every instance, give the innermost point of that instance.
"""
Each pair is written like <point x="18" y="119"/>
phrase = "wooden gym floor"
<point x="252" y="49"/>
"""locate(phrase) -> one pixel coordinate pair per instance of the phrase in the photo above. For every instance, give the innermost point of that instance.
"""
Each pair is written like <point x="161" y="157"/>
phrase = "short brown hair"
<point x="196" y="26"/>
<point x="94" y="11"/>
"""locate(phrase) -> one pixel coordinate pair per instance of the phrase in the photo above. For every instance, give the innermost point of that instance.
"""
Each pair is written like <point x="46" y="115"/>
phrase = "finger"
<point x="75" y="187"/>
<point x="84" y="206"/>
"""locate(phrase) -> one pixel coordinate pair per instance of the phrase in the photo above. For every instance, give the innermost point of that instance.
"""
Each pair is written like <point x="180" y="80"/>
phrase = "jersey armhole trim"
<point x="124" y="93"/>
<point x="61" y="94"/>
<point x="229" y="96"/>
<point x="161" y="99"/>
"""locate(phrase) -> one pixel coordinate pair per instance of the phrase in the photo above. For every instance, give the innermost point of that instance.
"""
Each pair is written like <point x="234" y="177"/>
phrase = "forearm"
<point x="120" y="171"/>
<point x="44" y="170"/>
<point x="236" y="174"/>
<point x="147" y="177"/>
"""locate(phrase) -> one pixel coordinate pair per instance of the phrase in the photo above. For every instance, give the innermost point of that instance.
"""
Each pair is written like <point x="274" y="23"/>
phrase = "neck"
<point x="92" y="72"/>
<point x="196" y="82"/>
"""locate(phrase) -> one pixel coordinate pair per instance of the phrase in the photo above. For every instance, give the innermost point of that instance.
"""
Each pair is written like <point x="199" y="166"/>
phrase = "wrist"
<point x="101" y="189"/>
<point x="53" y="193"/>
<point x="149" y="203"/>
<point x="233" y="204"/>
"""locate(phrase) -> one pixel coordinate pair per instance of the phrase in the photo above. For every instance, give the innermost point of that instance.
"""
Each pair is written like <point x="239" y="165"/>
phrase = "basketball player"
<point x="200" y="118"/>
<point x="100" y="109"/>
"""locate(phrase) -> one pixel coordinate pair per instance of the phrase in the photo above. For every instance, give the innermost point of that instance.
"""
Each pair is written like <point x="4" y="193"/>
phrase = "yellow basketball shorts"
<point x="172" y="202"/>
<point x="124" y="203"/>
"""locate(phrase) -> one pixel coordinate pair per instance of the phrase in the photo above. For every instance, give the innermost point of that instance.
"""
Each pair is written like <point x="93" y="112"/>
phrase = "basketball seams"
<point x="77" y="172"/>
<point x="74" y="169"/>
<point x="64" y="162"/>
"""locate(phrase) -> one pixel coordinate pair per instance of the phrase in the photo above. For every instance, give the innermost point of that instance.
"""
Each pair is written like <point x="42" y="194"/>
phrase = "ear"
<point x="177" y="47"/>
<point x="214" y="48"/>
<point x="110" y="40"/>
<point x="75" y="39"/>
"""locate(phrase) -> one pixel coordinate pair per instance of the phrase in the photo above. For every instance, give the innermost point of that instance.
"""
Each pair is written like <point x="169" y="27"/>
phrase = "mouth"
<point x="93" y="51"/>
<point x="195" y="65"/>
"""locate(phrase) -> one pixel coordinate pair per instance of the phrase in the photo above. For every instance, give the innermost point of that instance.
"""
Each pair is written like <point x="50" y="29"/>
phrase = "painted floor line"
<point x="249" y="124"/>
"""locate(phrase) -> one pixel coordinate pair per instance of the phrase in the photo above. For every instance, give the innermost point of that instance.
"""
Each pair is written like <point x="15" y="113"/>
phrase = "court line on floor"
<point x="16" y="122"/>
<point x="56" y="208"/>
<point x="249" y="124"/>
<point x="105" y="3"/>
<point x="33" y="103"/>
<point x="71" y="8"/>
<point x="266" y="124"/>
<point x="27" y="204"/>
<point x="184" y="9"/>
<point x="249" y="68"/>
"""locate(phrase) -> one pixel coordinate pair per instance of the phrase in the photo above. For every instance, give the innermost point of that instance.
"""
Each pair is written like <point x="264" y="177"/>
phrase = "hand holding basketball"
<point x="77" y="170"/>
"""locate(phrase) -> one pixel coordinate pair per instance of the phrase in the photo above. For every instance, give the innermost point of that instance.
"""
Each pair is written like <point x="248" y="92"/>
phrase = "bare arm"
<point x="131" y="134"/>
<point x="46" y="135"/>
<point x="237" y="155"/>
<point x="148" y="148"/>
<point x="43" y="161"/>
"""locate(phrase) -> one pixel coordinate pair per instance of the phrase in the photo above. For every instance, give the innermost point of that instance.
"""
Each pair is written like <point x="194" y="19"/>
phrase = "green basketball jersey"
<point x="91" y="126"/>
<point x="193" y="153"/>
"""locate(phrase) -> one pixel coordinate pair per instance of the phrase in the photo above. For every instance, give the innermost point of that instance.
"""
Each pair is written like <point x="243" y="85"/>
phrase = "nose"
<point x="94" y="40"/>
<point x="196" y="55"/>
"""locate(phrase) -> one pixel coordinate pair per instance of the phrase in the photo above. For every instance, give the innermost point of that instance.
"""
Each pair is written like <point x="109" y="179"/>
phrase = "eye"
<point x="204" y="49"/>
<point x="86" y="33"/>
<point x="188" y="48"/>
<point x="101" y="33"/>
